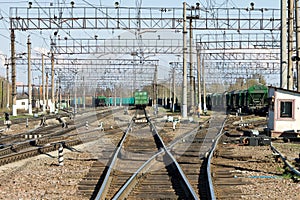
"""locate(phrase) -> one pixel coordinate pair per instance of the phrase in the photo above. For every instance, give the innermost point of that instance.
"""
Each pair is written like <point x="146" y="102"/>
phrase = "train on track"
<point x="140" y="100"/>
<point x="250" y="101"/>
<point x="253" y="100"/>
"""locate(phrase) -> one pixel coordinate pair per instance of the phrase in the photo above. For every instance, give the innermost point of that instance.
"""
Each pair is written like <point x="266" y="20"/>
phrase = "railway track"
<point x="191" y="153"/>
<point x="147" y="163"/>
<point x="107" y="143"/>
<point x="289" y="159"/>
<point x="6" y="139"/>
<point x="38" y="131"/>
<point x="92" y="181"/>
<point x="159" y="174"/>
<point x="130" y="155"/>
<point x="224" y="172"/>
<point x="164" y="180"/>
<point x="21" y="148"/>
<point x="235" y="167"/>
<point x="187" y="154"/>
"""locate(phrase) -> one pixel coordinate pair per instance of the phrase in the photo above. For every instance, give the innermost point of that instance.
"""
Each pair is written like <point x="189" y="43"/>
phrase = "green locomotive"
<point x="141" y="99"/>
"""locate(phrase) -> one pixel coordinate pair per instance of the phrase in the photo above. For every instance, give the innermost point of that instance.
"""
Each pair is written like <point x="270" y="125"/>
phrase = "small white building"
<point x="22" y="104"/>
<point x="284" y="111"/>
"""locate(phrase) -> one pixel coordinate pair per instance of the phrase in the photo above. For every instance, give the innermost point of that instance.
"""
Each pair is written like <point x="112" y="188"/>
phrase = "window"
<point x="286" y="109"/>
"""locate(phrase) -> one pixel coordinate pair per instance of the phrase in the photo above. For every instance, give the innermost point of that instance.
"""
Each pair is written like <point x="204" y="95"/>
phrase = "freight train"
<point x="140" y="100"/>
<point x="250" y="101"/>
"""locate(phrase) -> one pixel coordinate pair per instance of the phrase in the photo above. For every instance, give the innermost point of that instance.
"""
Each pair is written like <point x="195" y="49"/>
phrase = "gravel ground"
<point x="42" y="178"/>
<point x="290" y="150"/>
<point x="19" y="128"/>
<point x="263" y="176"/>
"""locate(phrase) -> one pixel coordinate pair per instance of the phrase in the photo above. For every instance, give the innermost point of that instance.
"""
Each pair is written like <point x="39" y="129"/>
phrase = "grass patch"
<point x="288" y="174"/>
<point x="279" y="169"/>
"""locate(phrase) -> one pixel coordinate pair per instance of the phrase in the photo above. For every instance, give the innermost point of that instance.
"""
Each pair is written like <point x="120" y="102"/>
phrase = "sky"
<point x="40" y="40"/>
<point x="5" y="4"/>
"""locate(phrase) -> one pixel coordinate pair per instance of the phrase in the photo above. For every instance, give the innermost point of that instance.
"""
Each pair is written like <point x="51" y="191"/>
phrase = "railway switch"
<point x="261" y="140"/>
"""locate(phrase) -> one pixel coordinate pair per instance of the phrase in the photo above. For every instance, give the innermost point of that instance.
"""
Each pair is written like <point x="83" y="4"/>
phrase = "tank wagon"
<point x="124" y="101"/>
<point x="140" y="100"/>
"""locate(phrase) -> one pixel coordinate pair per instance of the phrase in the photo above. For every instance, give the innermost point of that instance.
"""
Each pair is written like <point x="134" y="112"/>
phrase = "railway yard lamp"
<point x="295" y="58"/>
<point x="252" y="6"/>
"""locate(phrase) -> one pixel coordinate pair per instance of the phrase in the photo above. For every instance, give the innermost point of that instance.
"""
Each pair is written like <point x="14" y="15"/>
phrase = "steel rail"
<point x="105" y="185"/>
<point x="17" y="146"/>
<point x="283" y="158"/>
<point x="12" y="148"/>
<point x="123" y="192"/>
<point x="139" y="173"/>
<point x="208" y="169"/>
<point x="36" y="151"/>
<point x="184" y="178"/>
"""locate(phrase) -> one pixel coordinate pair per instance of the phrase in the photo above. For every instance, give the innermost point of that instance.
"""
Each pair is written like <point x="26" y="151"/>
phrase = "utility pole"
<point x="7" y="83"/>
<point x="192" y="101"/>
<point x="115" y="94"/>
<point x="174" y="91"/>
<point x="13" y="73"/>
<point x="75" y="95"/>
<point x="204" y="88"/>
<point x="165" y="96"/>
<point x="170" y="92"/>
<point x="283" y="46"/>
<point x="47" y="89"/>
<point x="83" y="98"/>
<point x="52" y="107"/>
<point x="155" y="90"/>
<point x="43" y="83"/>
<point x="29" y="77"/>
<point x="199" y="81"/>
<point x="290" y="85"/>
<point x="57" y="100"/>
<point x="184" y="84"/>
